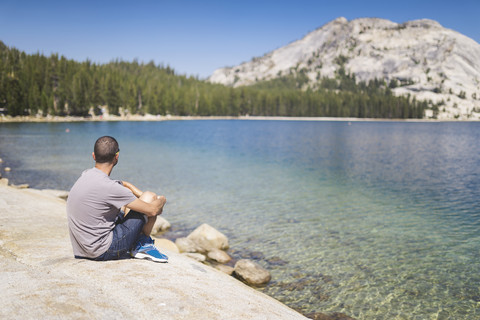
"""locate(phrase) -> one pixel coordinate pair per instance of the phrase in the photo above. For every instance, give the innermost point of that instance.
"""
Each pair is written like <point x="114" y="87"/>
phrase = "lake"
<point x="376" y="220"/>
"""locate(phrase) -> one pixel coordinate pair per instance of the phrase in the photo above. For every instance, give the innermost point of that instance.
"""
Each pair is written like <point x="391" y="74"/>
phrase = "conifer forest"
<point x="35" y="84"/>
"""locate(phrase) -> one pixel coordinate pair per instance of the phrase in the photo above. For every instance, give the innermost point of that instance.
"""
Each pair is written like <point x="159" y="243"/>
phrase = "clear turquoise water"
<point x="377" y="220"/>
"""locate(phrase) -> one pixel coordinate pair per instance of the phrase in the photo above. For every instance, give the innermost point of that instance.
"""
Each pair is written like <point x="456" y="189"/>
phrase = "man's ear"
<point x="93" y="155"/>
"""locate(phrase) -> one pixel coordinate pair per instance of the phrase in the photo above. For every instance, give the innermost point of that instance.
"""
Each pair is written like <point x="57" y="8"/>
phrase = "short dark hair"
<point x="105" y="149"/>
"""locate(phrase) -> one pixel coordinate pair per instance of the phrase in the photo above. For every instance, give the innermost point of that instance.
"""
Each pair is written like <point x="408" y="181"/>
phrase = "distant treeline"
<point x="36" y="84"/>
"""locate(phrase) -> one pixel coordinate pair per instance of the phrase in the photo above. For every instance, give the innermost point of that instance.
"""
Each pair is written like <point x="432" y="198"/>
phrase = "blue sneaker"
<point x="145" y="249"/>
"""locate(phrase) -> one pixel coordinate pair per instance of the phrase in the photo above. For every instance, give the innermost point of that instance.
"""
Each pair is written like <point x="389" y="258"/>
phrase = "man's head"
<point x="105" y="150"/>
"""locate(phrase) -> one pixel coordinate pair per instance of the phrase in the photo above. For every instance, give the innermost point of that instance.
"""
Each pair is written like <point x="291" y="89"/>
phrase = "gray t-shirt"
<point x="92" y="207"/>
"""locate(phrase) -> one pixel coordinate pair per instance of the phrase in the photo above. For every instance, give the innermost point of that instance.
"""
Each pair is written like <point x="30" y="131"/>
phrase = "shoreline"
<point x="41" y="276"/>
<point x="7" y="254"/>
<point x="154" y="118"/>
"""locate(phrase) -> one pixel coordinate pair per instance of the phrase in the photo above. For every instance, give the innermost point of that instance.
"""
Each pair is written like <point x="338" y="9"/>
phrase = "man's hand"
<point x="163" y="200"/>
<point x="148" y="204"/>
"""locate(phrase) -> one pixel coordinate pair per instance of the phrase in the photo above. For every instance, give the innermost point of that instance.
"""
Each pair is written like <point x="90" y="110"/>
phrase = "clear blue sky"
<point x="197" y="37"/>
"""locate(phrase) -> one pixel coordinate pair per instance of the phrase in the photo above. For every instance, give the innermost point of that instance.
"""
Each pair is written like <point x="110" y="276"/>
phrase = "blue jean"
<point x="125" y="236"/>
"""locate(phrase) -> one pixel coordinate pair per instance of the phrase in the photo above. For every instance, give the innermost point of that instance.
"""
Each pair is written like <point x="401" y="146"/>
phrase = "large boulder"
<point x="219" y="256"/>
<point x="251" y="272"/>
<point x="208" y="238"/>
<point x="187" y="245"/>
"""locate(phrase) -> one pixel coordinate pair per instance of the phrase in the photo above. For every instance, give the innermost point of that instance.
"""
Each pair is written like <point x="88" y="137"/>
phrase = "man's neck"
<point x="104" y="167"/>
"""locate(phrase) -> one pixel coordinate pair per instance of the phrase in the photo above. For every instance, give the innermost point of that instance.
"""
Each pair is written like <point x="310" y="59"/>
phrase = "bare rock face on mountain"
<point x="421" y="57"/>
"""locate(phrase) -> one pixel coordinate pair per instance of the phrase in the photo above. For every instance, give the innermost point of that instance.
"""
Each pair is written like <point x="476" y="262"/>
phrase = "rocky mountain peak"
<point x="425" y="59"/>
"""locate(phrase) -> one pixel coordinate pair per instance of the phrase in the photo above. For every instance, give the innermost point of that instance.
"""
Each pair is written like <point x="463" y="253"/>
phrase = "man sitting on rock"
<point x="108" y="218"/>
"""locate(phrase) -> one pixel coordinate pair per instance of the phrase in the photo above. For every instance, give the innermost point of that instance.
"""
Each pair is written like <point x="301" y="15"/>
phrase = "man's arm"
<point x="137" y="192"/>
<point x="147" y="203"/>
<point x="151" y="209"/>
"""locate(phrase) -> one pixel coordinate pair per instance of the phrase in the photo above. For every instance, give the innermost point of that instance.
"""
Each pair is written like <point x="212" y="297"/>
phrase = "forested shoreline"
<point x="34" y="84"/>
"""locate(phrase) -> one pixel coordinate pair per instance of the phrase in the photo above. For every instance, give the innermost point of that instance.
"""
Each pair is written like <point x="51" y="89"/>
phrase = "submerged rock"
<point x="276" y="261"/>
<point x="251" y="272"/>
<point x="323" y="316"/>
<point x="208" y="238"/>
<point x="256" y="255"/>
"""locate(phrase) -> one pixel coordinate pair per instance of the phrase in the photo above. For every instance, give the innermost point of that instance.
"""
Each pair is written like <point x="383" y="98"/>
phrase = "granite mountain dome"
<point x="425" y="59"/>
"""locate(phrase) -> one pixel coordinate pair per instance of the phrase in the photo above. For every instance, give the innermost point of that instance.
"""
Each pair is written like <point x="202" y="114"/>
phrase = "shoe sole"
<point x="140" y="255"/>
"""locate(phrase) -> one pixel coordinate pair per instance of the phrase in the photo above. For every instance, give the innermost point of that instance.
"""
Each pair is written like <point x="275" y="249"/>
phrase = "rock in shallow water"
<point x="187" y="245"/>
<point x="251" y="272"/>
<point x="276" y="261"/>
<point x="209" y="238"/>
<point x="161" y="224"/>
<point x="323" y="316"/>
<point x="225" y="269"/>
<point x="219" y="256"/>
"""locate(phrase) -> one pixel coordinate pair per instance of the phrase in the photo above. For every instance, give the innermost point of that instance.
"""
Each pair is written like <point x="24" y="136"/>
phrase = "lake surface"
<point x="377" y="220"/>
